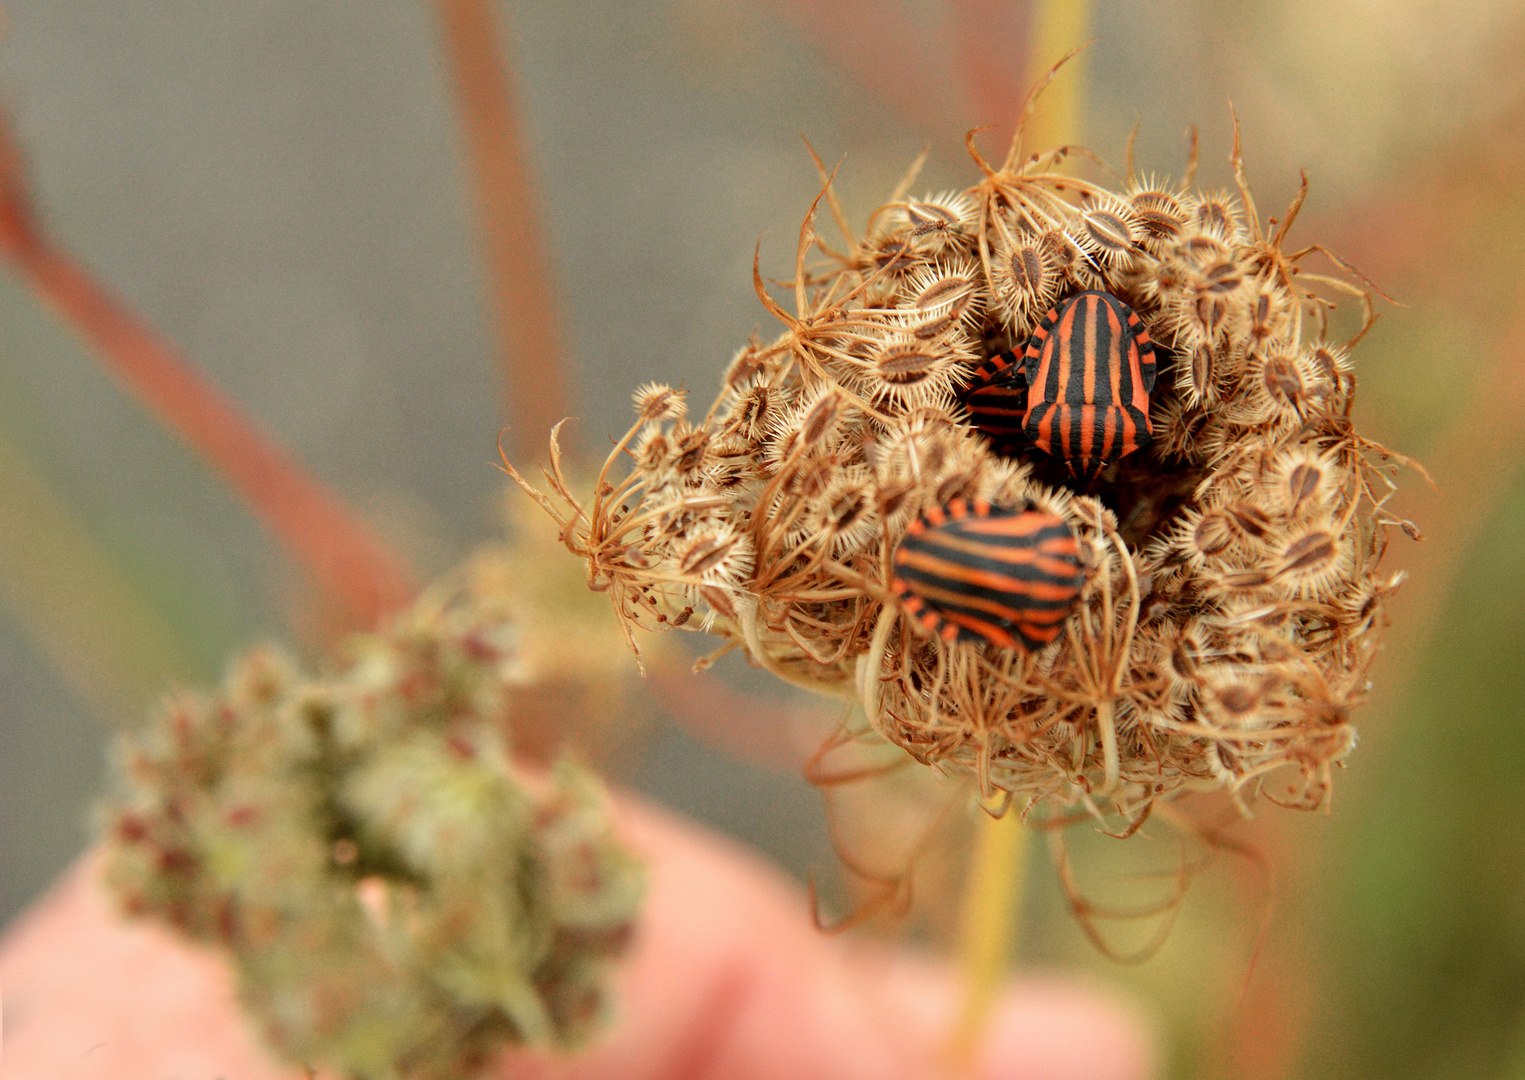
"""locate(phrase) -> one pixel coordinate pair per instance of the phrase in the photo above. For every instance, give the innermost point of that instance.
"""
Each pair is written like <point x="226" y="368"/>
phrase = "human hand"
<point x="727" y="980"/>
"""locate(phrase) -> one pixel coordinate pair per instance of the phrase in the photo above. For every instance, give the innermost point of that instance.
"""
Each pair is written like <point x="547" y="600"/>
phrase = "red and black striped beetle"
<point x="997" y="398"/>
<point x="972" y="571"/>
<point x="1089" y="368"/>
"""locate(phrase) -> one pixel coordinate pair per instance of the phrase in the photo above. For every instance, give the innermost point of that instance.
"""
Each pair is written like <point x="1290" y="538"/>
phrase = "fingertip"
<point x="1054" y="1029"/>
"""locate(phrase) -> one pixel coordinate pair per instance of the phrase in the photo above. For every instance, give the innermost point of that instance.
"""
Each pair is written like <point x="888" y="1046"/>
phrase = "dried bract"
<point x="399" y="901"/>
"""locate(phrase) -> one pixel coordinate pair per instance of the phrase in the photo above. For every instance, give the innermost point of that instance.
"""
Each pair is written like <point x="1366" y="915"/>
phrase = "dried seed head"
<point x="1205" y="536"/>
<point x="1217" y="216"/>
<point x="1196" y="373"/>
<point x="717" y="557"/>
<point x="914" y="373"/>
<point x="942" y="296"/>
<point x="1249" y="522"/>
<point x="652" y="450"/>
<point x="1110" y="233"/>
<point x="656" y="402"/>
<point x="1270" y="314"/>
<point x="1330" y="361"/>
<point x="751" y="415"/>
<point x="892" y="256"/>
<point x="1304" y="482"/>
<point x="1313" y="562"/>
<point x="1027" y="275"/>
<point x="1161" y="215"/>
<point x="1238" y="702"/>
<point x="1236" y="551"/>
<point x="847" y="516"/>
<point x="690" y="449"/>
<point x="818" y="419"/>
<point x="908" y="363"/>
<point x="748" y="363"/>
<point x="1283" y="384"/>
<point x="938" y="222"/>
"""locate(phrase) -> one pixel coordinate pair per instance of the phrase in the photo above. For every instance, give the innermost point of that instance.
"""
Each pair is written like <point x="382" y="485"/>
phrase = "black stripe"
<point x="1148" y="361"/>
<point x="1034" y="419"/>
<point x="1141" y="435"/>
<point x="1074" y="347"/>
<point x="1115" y="355"/>
<point x="1031" y="358"/>
<point x="968" y="560"/>
<point x="1014" y="601"/>
<point x="1011" y="598"/>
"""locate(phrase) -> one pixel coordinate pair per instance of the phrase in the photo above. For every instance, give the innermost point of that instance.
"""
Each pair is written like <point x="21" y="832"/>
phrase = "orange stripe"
<point x="1044" y="634"/>
<point x="1054" y="566"/>
<point x="999" y="583"/>
<point x="1019" y="525"/>
<point x="1121" y="354"/>
<point x="1045" y="437"/>
<point x="1136" y="369"/>
<point x="989" y="631"/>
<point x="1093" y="306"/>
<point x="1061" y="347"/>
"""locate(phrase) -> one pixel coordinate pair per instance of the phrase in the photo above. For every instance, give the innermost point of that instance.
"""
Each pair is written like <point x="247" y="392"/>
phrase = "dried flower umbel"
<point x="398" y="900"/>
<point x="1232" y="602"/>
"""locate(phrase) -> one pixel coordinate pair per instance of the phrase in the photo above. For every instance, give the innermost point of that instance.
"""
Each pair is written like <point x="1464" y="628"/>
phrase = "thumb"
<point x="729" y="980"/>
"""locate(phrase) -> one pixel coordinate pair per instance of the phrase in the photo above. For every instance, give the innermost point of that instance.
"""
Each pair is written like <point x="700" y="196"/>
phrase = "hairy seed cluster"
<point x="399" y="901"/>
<point x="1232" y="604"/>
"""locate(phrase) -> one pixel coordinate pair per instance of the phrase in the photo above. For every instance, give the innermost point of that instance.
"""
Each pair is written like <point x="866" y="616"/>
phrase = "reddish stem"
<point x="532" y="357"/>
<point x="322" y="533"/>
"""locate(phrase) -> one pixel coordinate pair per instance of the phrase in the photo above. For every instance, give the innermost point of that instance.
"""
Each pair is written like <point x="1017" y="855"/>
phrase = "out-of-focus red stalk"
<point x="320" y="531"/>
<point x="990" y="52"/>
<point x="879" y="47"/>
<point x="526" y="314"/>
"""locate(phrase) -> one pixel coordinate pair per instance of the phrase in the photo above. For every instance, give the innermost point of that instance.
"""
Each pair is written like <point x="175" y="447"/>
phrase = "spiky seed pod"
<point x="1026" y="275"/>
<point x="1314" y="562"/>
<point x="655" y="402"/>
<point x="719" y="557"/>
<point x="1110" y="233"/>
<point x="1161" y="214"/>
<point x="1301" y="483"/>
<point x="399" y="901"/>
<point x="1215" y="215"/>
<point x="940" y="302"/>
<point x="1229" y="566"/>
<point x="847" y="515"/>
<point x="938" y="222"/>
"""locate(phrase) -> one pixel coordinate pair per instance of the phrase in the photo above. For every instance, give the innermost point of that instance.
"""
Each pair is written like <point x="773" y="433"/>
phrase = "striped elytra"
<point x="997" y="398"/>
<point x="970" y="571"/>
<point x="1089" y="367"/>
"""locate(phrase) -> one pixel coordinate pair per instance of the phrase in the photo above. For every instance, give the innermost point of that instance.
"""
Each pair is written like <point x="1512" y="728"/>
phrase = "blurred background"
<point x="283" y="196"/>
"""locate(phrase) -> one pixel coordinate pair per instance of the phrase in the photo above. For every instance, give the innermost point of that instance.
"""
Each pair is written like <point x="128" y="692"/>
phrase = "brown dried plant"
<point x="1233" y="602"/>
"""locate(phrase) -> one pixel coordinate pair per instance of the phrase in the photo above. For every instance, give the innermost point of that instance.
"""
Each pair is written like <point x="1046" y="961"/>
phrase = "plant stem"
<point x="990" y="919"/>
<point x="523" y="302"/>
<point x="988" y="926"/>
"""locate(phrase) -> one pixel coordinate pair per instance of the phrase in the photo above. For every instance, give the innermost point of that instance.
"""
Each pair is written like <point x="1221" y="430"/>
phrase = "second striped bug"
<point x="970" y="571"/>
<point x="997" y="399"/>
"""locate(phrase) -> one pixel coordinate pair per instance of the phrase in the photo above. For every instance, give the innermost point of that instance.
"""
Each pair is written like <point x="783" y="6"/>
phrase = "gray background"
<point x="275" y="185"/>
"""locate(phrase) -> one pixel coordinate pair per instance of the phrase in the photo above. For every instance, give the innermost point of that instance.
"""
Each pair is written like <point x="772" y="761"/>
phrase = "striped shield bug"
<point x="971" y="571"/>
<point x="1090" y="367"/>
<point x="997" y="398"/>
